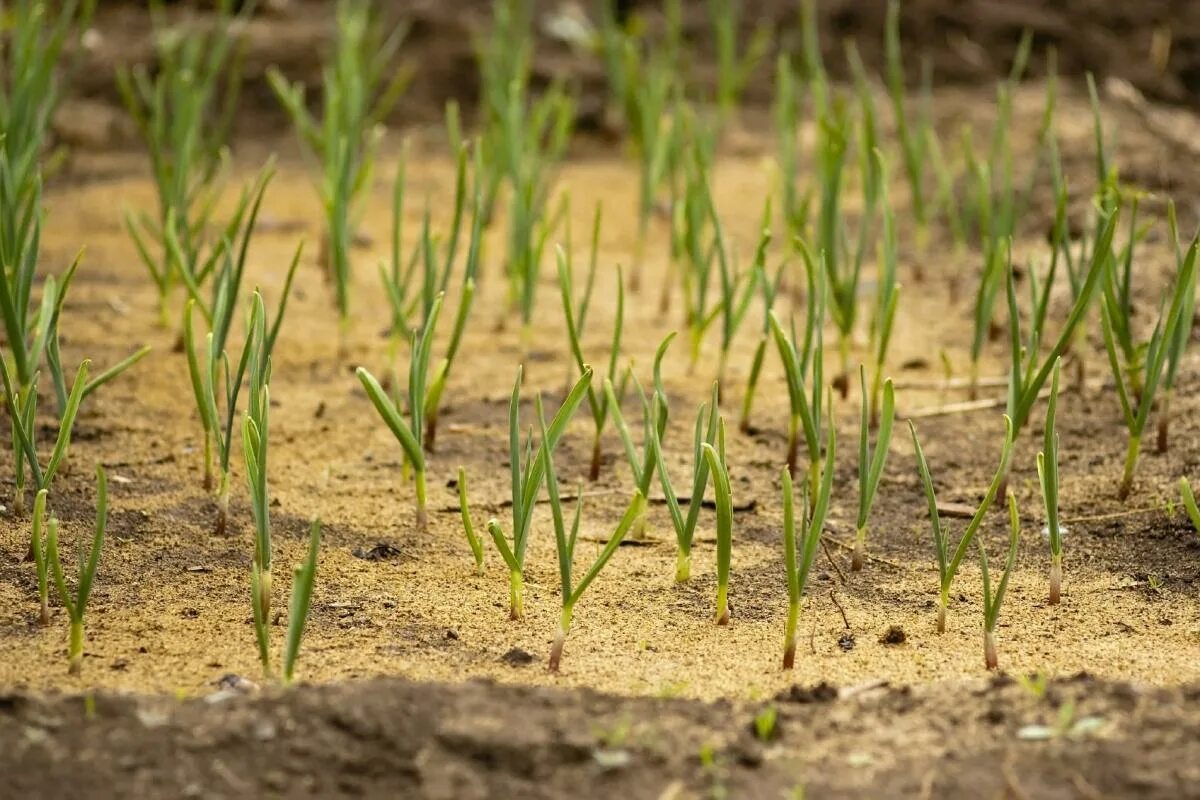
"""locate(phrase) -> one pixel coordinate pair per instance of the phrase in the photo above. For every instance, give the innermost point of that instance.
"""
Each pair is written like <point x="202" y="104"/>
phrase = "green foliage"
<point x="183" y="111"/>
<point x="992" y="602"/>
<point x="76" y="602"/>
<point x="1047" y="467"/>
<point x="359" y="89"/>
<point x="573" y="313"/>
<point x="565" y="543"/>
<point x="704" y="432"/>
<point x="528" y="473"/>
<point x="734" y="69"/>
<point x="947" y="561"/>
<point x="870" y="466"/>
<point x="718" y="466"/>
<point x="1138" y="383"/>
<point x="799" y="555"/>
<point x="216" y="383"/>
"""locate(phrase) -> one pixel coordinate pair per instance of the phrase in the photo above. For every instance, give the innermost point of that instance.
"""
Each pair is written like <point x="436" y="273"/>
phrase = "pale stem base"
<point x="990" y="659"/>
<point x="683" y="566"/>
<point x="860" y="550"/>
<point x="1055" y="579"/>
<point x="516" y="595"/>
<point x="722" y="616"/>
<point x="564" y="627"/>
<point x="75" y="649"/>
<point x="789" y="638"/>
<point x="421" y="492"/>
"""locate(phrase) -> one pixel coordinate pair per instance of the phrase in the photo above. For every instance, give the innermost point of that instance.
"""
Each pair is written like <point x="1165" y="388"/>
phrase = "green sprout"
<point x="408" y="296"/>
<point x="948" y="563"/>
<point x="1029" y="371"/>
<point x="769" y="290"/>
<point x="803" y="368"/>
<point x="565" y="543"/>
<point x="914" y="138"/>
<point x="652" y="85"/>
<point x="76" y="603"/>
<point x="303" y="579"/>
<point x="870" y="465"/>
<point x="357" y="96"/>
<point x="655" y="412"/>
<point x="255" y="439"/>
<point x="1183" y="335"/>
<point x="597" y="401"/>
<point x="812" y="522"/>
<point x="1189" y="502"/>
<point x="786" y="117"/>
<point x="702" y="249"/>
<point x="734" y="70"/>
<point x="522" y="141"/>
<point x="409" y="433"/>
<point x="718" y="466"/>
<point x="183" y="113"/>
<point x="473" y="540"/>
<point x="1137" y="383"/>
<point x="38" y="548"/>
<point x="887" y="294"/>
<point x="992" y="602"/>
<point x="704" y="432"/>
<point x="1047" y="466"/>
<point x="216" y="385"/>
<point x="528" y="472"/>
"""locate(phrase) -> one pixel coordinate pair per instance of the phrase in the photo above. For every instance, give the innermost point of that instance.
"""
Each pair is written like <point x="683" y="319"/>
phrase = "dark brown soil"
<point x="388" y="738"/>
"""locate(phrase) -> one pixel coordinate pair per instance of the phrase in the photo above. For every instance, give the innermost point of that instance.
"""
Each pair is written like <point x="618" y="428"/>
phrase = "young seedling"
<point x="183" y="113"/>
<point x="992" y="602"/>
<point x="1189" y="502"/>
<point x="870" y="465"/>
<point x="736" y="287"/>
<point x="303" y="579"/>
<point x="653" y="86"/>
<point x="770" y="290"/>
<point x="914" y="136"/>
<point x="1183" y="335"/>
<point x="528" y="472"/>
<point x="473" y="540"/>
<point x="522" y="141"/>
<point x="37" y="546"/>
<point x="597" y="401"/>
<point x="803" y="369"/>
<point x="76" y="603"/>
<point x="565" y="544"/>
<point x="409" y="433"/>
<point x="643" y="465"/>
<point x="357" y="96"/>
<point x="786" y="116"/>
<point x="1029" y="371"/>
<point x="798" y="556"/>
<point x="705" y="432"/>
<point x="413" y="300"/>
<point x="717" y="465"/>
<point x="734" y="71"/>
<point x="1047" y="466"/>
<point x="887" y="294"/>
<point x="1137" y="384"/>
<point x="255" y="439"/>
<point x="948" y="562"/>
<point x="216" y="385"/>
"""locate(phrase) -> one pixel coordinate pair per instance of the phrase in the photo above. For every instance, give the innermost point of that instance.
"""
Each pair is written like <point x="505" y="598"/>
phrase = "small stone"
<point x="893" y="635"/>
